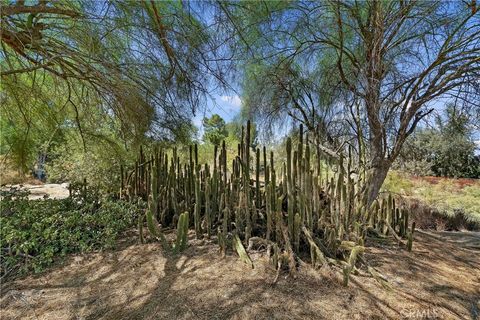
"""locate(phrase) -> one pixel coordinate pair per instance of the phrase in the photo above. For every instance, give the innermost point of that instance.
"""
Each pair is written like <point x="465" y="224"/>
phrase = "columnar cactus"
<point x="208" y="209"/>
<point x="290" y="187"/>
<point x="310" y="198"/>
<point x="410" y="237"/>
<point x="182" y="232"/>
<point x="246" y="183"/>
<point x="296" y="232"/>
<point x="198" y="203"/>
<point x="350" y="265"/>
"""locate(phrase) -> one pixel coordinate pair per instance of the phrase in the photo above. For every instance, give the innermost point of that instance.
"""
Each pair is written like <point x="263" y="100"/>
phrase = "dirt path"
<point x="440" y="279"/>
<point x="39" y="191"/>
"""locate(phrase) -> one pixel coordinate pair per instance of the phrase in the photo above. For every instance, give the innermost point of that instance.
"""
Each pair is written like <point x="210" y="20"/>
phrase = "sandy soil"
<point x="40" y="190"/>
<point x="439" y="279"/>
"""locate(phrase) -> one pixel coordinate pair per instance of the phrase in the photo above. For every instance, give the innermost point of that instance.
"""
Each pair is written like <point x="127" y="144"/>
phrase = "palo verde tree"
<point x="394" y="60"/>
<point x="149" y="65"/>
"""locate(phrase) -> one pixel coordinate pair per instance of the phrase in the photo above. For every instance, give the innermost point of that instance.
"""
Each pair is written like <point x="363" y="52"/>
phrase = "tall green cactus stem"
<point x="294" y="177"/>
<point x="276" y="254"/>
<point x="381" y="216"/>
<point x="290" y="187"/>
<point x="238" y="217"/>
<point x="265" y="168"/>
<point x="225" y="222"/>
<point x="208" y="211"/>
<point x="300" y="143"/>
<point x="248" y="221"/>
<point x="141" y="219"/>
<point x="273" y="194"/>
<point x="308" y="189"/>
<point x="186" y="223"/>
<point x="410" y="237"/>
<point x="301" y="197"/>
<point x="405" y="221"/>
<point x="278" y="220"/>
<point x="388" y="216"/>
<point x="198" y="204"/>
<point x="182" y="233"/>
<point x="153" y="199"/>
<point x="272" y="164"/>
<point x="258" y="201"/>
<point x="224" y="165"/>
<point x="296" y="232"/>
<point x="246" y="184"/>
<point x="154" y="228"/>
<point x="196" y="155"/>
<point x="300" y="156"/>
<point x="269" y="211"/>
<point x="215" y="211"/>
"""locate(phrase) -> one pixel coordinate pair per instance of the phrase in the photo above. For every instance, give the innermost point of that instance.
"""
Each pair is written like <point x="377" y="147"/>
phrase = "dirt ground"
<point x="40" y="190"/>
<point x="439" y="279"/>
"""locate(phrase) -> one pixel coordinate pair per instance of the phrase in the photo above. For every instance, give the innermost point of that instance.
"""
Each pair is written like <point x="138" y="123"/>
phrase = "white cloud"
<point x="233" y="101"/>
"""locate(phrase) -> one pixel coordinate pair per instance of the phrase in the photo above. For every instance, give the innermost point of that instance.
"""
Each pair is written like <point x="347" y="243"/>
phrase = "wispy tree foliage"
<point x="356" y="73"/>
<point x="149" y="65"/>
<point x="377" y="67"/>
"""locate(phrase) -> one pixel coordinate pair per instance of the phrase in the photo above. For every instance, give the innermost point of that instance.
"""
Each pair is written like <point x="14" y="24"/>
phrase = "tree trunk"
<point x="376" y="176"/>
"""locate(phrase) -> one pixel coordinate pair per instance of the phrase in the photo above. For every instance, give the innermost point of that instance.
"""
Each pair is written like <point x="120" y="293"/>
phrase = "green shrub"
<point x="34" y="232"/>
<point x="447" y="150"/>
<point x="100" y="165"/>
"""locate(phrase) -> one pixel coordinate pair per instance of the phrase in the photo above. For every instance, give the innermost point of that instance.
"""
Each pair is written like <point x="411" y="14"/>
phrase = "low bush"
<point x="34" y="232"/>
<point x="447" y="150"/>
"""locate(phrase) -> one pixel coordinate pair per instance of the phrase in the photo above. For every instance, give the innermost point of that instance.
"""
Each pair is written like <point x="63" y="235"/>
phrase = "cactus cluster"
<point x="303" y="207"/>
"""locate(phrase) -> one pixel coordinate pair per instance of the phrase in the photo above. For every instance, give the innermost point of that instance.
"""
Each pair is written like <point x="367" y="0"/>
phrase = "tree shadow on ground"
<point x="143" y="282"/>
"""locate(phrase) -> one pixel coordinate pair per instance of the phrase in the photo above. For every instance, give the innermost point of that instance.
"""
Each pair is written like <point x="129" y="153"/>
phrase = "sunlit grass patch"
<point x="447" y="195"/>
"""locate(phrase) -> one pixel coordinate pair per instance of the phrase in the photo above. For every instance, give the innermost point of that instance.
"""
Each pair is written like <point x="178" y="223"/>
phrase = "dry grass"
<point x="447" y="196"/>
<point x="439" y="278"/>
<point x="9" y="176"/>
